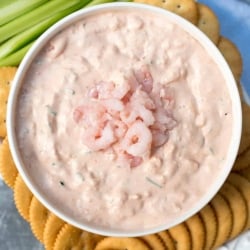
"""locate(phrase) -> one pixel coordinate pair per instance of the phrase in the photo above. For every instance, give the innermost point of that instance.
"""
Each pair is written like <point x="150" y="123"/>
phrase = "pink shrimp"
<point x="144" y="77"/>
<point x="90" y="114"/>
<point x="99" y="139"/>
<point x="138" y="139"/>
<point x="120" y="128"/>
<point x="109" y="90"/>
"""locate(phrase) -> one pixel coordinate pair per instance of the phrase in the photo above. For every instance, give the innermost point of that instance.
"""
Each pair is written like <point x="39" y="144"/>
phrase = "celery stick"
<point x="15" y="58"/>
<point x="95" y="2"/>
<point x="17" y="8"/>
<point x="32" y="33"/>
<point x="37" y="15"/>
<point x="4" y="3"/>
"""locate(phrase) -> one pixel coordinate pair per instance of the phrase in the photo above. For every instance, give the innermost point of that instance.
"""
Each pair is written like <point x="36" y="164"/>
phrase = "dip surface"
<point x="92" y="185"/>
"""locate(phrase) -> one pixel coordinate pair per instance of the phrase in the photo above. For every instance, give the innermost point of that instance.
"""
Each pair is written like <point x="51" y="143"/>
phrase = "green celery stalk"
<point x="4" y="3"/>
<point x="36" y="16"/>
<point x="32" y="33"/>
<point x="96" y="2"/>
<point x="15" y="58"/>
<point x="17" y="8"/>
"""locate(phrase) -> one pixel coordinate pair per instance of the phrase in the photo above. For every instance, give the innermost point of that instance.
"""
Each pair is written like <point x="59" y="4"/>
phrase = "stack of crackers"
<point x="224" y="218"/>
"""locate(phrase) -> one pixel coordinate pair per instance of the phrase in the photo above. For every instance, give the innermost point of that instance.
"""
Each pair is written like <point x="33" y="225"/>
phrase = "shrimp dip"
<point x="124" y="120"/>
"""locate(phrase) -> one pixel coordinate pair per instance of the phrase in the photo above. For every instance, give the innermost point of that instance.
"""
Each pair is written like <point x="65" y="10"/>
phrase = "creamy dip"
<point x="61" y="103"/>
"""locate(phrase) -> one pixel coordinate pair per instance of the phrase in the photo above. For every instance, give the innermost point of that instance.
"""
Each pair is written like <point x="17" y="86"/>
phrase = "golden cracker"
<point x="38" y="215"/>
<point x="197" y="231"/>
<point x="238" y="206"/>
<point x="69" y="237"/>
<point x="224" y="218"/>
<point x="245" y="136"/>
<point x="91" y="240"/>
<point x="184" y="8"/>
<point x="6" y="76"/>
<point x="242" y="161"/>
<point x="243" y="185"/>
<point x="112" y="243"/>
<point x="232" y="56"/>
<point x="181" y="236"/>
<point x="7" y="167"/>
<point x="208" y="23"/>
<point x="245" y="172"/>
<point x="207" y="214"/>
<point x="52" y="228"/>
<point x="153" y="241"/>
<point x="22" y="197"/>
<point x="167" y="240"/>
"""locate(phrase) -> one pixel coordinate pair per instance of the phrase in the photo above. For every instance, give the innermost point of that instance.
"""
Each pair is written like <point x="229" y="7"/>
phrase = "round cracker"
<point x="6" y="76"/>
<point x="112" y="243"/>
<point x="153" y="241"/>
<point x="243" y="185"/>
<point x="52" y="228"/>
<point x="7" y="167"/>
<point x="22" y="197"/>
<point x="69" y="237"/>
<point x="91" y="240"/>
<point x="207" y="214"/>
<point x="238" y="206"/>
<point x="208" y="23"/>
<point x="181" y="236"/>
<point x="245" y="173"/>
<point x="197" y="231"/>
<point x="167" y="240"/>
<point x="184" y="8"/>
<point x="245" y="136"/>
<point x="232" y="55"/>
<point x="242" y="160"/>
<point x="224" y="218"/>
<point x="38" y="215"/>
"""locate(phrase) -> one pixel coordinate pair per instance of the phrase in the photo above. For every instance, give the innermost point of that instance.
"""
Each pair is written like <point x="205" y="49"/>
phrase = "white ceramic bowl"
<point x="213" y="51"/>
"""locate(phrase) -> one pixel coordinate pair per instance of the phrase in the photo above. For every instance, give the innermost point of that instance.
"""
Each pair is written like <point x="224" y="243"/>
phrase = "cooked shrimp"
<point x="159" y="137"/>
<point x="98" y="139"/>
<point x="119" y="127"/>
<point x="144" y="77"/>
<point x="90" y="114"/>
<point x="112" y="104"/>
<point x="141" y="97"/>
<point x="109" y="90"/>
<point x="137" y="140"/>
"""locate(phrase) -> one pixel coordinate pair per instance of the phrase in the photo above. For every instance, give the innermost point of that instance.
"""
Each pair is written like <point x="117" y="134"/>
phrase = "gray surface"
<point x="15" y="233"/>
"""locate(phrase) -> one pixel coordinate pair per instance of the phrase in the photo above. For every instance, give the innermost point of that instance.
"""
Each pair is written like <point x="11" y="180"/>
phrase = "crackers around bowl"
<point x="222" y="219"/>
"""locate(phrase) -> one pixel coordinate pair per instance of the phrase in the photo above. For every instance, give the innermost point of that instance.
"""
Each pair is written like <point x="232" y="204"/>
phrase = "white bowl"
<point x="191" y="29"/>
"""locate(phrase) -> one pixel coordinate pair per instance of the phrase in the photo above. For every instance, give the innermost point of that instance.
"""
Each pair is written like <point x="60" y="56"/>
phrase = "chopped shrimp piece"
<point x="144" y="77"/>
<point x="119" y="127"/>
<point x="107" y="90"/>
<point x="99" y="139"/>
<point x="134" y="161"/>
<point x="90" y="114"/>
<point x="159" y="137"/>
<point x="121" y="90"/>
<point x="145" y="115"/>
<point x="113" y="104"/>
<point x="128" y="115"/>
<point x="162" y="116"/>
<point x="141" y="97"/>
<point x="137" y="140"/>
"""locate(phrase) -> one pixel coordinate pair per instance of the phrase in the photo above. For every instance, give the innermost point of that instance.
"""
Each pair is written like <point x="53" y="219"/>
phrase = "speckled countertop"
<point x="15" y="233"/>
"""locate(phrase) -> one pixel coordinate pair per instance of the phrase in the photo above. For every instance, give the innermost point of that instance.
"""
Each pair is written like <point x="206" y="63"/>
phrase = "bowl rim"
<point x="194" y="32"/>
